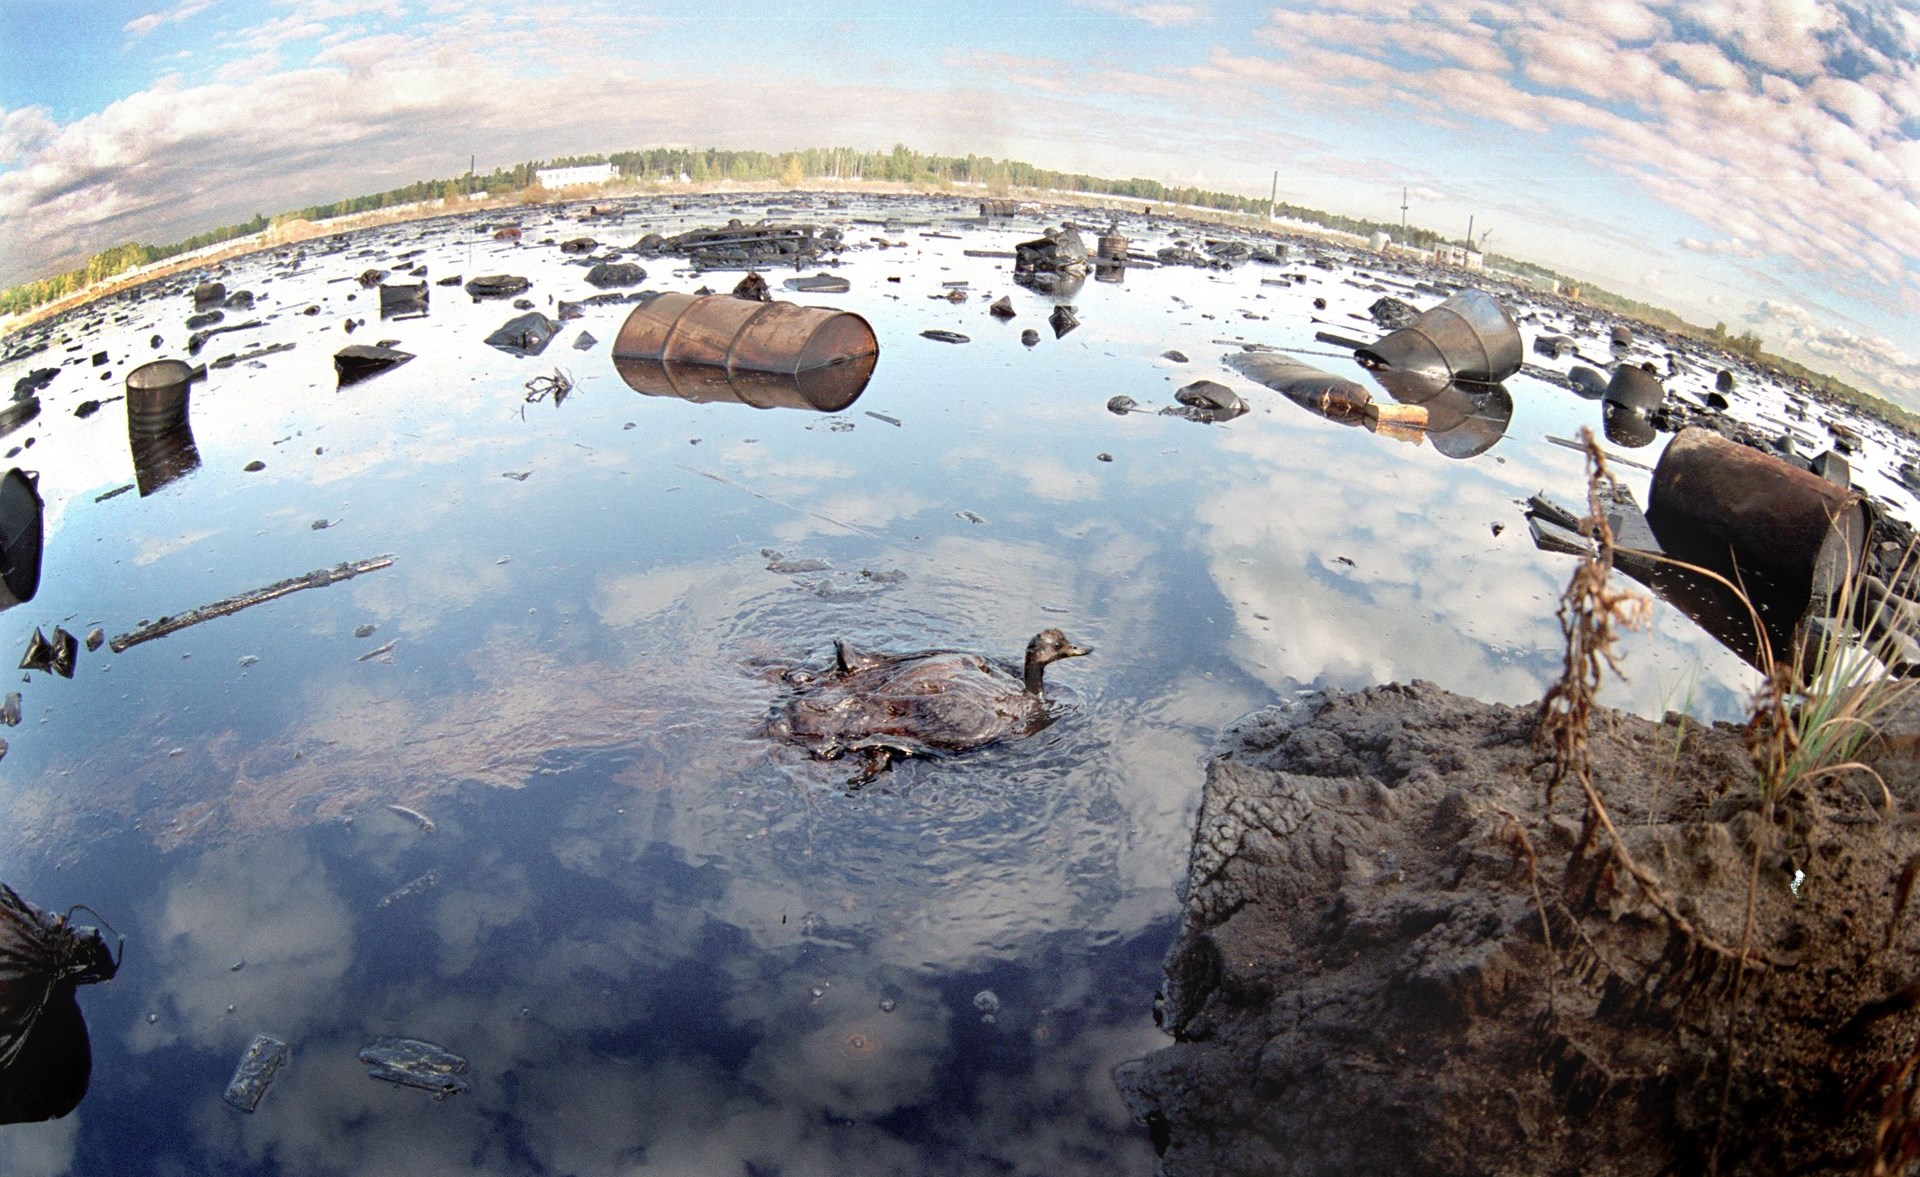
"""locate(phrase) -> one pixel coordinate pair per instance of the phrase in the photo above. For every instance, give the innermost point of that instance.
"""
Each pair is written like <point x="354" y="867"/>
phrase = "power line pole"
<point x="1273" y="198"/>
<point x="1403" y="212"/>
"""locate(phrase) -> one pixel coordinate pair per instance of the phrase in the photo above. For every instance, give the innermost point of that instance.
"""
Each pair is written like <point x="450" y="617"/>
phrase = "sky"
<point x="1752" y="162"/>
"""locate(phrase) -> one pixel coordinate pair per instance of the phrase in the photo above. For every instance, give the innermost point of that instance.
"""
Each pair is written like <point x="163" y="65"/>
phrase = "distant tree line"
<point x="901" y="165"/>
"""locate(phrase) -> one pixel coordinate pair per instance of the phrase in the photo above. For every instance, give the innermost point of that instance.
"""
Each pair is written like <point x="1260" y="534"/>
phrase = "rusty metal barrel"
<point x="22" y="532"/>
<point x="766" y="354"/>
<point x="1468" y="337"/>
<point x="1635" y="388"/>
<point x="157" y="397"/>
<point x="1778" y="518"/>
<point x="1112" y="247"/>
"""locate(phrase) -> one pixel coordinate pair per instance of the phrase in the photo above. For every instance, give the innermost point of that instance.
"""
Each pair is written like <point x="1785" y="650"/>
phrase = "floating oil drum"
<point x="1626" y="426"/>
<point x="1468" y="337"/>
<point x="157" y="397"/>
<point x="1634" y="388"/>
<point x="764" y="354"/>
<point x="1112" y="247"/>
<point x="22" y="521"/>
<point x="1779" y="519"/>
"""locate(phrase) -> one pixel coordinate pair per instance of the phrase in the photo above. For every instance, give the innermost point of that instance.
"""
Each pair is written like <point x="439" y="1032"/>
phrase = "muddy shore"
<point x="1396" y="955"/>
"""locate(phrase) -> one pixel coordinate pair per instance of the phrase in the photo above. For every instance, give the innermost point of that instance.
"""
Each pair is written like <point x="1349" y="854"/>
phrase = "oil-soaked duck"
<point x="884" y="707"/>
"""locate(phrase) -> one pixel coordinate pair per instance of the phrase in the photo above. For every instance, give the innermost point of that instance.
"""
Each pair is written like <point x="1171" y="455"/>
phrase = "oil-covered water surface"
<point x="659" y="941"/>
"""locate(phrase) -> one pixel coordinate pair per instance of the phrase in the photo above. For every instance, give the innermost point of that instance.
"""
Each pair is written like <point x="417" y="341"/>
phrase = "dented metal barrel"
<point x="157" y="397"/>
<point x="764" y="354"/>
<point x="1635" y="388"/>
<point x="1468" y="337"/>
<point x="1777" y="518"/>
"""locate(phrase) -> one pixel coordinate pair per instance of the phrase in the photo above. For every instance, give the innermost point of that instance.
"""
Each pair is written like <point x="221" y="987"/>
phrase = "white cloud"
<point x="1160" y="16"/>
<point x="140" y="26"/>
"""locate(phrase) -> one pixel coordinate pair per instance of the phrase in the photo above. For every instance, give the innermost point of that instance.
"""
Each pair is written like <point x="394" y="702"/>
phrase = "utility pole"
<point x="472" y="162"/>
<point x="1403" y="212"/>
<point x="1273" y="198"/>
<point x="1469" y="230"/>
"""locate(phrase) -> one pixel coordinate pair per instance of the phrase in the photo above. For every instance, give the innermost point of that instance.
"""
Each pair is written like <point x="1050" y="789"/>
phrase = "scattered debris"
<point x="1215" y="397"/>
<point x="10" y="710"/>
<point x="364" y="631"/>
<point x="425" y="823"/>
<point x="254" y="467"/>
<point x="737" y="246"/>
<point x="1391" y="313"/>
<point x="96" y="638"/>
<point x="611" y="274"/>
<point x="1178" y="357"/>
<point x="363" y="361"/>
<point x="381" y="652"/>
<point x="497" y="286"/>
<point x="557" y="386"/>
<point x="403" y="300"/>
<point x="254" y="1073"/>
<point x="1062" y="320"/>
<point x="1001" y="308"/>
<point x="1121" y="405"/>
<point x="1029" y="337"/>
<point x="939" y="336"/>
<point x="753" y="288"/>
<point x="414" y="1062"/>
<point x="410" y="888"/>
<point x="320" y="578"/>
<point x="893" y="421"/>
<point x="822" y="283"/>
<point x="525" y="335"/>
<point x="56" y="655"/>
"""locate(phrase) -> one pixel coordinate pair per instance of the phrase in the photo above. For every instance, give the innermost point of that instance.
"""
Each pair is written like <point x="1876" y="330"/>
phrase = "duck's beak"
<point x="1075" y="651"/>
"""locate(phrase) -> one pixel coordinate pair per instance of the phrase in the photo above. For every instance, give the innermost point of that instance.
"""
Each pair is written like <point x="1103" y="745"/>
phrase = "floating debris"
<point x="556" y="386"/>
<point x="10" y="710"/>
<point x="939" y="336"/>
<point x="1062" y="320"/>
<point x="1001" y="308"/>
<point x="425" y="882"/>
<point x="96" y="638"/>
<point x="497" y="286"/>
<point x="318" y="578"/>
<point x="525" y="335"/>
<point x="610" y="274"/>
<point x="416" y="817"/>
<point x="362" y="361"/>
<point x="364" y="631"/>
<point x="254" y="1073"/>
<point x="57" y="655"/>
<point x="753" y="288"/>
<point x="414" y="1062"/>
<point x="370" y="655"/>
<point x="822" y="283"/>
<point x="893" y="421"/>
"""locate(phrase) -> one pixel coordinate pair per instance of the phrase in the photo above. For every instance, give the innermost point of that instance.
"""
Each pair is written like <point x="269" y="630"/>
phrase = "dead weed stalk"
<point x="1592" y="611"/>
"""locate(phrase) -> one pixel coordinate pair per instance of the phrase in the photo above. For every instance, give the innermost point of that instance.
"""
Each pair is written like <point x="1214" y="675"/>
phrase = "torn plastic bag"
<point x="46" y="1060"/>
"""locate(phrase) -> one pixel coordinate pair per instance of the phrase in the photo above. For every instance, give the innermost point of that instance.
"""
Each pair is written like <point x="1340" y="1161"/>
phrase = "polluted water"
<point x="551" y="826"/>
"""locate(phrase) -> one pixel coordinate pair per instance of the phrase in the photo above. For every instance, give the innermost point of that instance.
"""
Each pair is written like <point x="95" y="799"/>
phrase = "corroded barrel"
<point x="1778" y="518"/>
<point x="1468" y="337"/>
<point x="157" y="397"/>
<point x="765" y="354"/>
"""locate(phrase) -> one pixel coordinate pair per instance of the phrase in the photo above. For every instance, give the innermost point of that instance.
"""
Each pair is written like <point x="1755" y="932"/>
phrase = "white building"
<point x="589" y="173"/>
<point x="1458" y="256"/>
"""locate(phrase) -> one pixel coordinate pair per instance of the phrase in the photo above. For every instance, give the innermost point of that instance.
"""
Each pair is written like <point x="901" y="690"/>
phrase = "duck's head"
<point x="1048" y="646"/>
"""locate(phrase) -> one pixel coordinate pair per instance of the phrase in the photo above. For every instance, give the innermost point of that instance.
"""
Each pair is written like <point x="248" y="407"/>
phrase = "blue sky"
<point x="1749" y="161"/>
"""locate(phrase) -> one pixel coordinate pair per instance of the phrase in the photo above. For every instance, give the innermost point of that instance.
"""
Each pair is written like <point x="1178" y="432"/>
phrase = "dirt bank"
<point x="1362" y="981"/>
